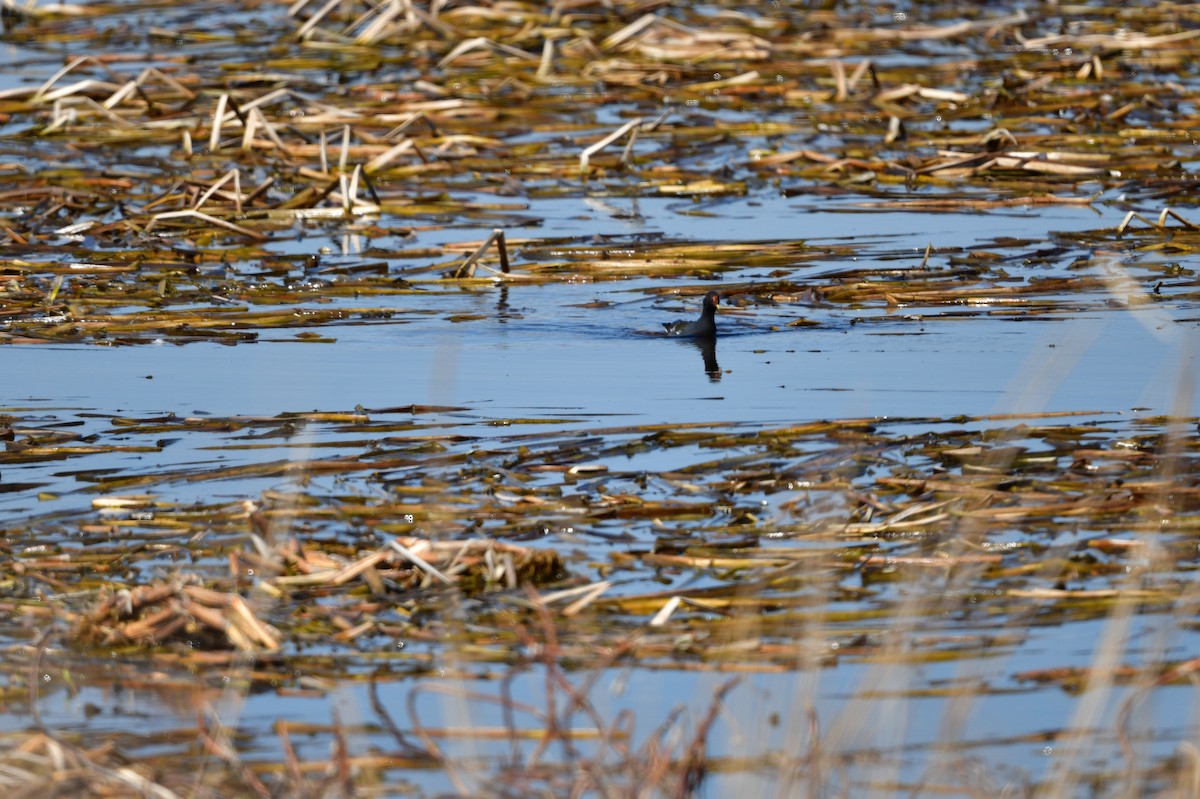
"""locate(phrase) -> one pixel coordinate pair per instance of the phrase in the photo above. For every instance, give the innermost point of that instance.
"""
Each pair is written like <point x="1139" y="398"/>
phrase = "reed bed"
<point x="135" y="184"/>
<point x="177" y="177"/>
<point x="805" y="544"/>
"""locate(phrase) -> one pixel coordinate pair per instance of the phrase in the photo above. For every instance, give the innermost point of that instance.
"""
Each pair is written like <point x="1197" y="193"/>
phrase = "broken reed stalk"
<point x="467" y="268"/>
<point x="419" y="562"/>
<point x="588" y="152"/>
<point x="203" y="217"/>
<point x="214" y="139"/>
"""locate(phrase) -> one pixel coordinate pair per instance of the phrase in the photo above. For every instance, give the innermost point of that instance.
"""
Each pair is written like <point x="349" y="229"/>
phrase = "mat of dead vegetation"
<point x="158" y="186"/>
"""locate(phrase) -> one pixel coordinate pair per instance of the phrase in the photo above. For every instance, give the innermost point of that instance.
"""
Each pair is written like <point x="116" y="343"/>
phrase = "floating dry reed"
<point x="163" y="184"/>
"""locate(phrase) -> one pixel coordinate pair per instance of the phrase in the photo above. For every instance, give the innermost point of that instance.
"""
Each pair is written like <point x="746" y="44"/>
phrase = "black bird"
<point x="706" y="325"/>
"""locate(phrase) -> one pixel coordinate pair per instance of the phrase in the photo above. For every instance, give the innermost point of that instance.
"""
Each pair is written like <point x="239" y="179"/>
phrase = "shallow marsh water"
<point x="530" y="348"/>
<point x="892" y="638"/>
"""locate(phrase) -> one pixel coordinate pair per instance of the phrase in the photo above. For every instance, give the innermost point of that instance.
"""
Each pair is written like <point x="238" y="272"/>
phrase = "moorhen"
<point x="706" y="325"/>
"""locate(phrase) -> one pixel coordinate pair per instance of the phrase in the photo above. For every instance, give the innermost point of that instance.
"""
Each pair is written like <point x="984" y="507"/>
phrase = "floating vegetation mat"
<point x="420" y="547"/>
<point x="426" y="600"/>
<point x="166" y="181"/>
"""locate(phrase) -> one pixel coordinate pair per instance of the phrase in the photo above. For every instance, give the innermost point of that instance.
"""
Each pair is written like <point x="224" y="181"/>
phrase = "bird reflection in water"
<point x="708" y="351"/>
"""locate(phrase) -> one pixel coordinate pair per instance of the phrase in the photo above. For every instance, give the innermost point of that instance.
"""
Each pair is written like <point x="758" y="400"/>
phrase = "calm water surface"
<point x="537" y="350"/>
<point x="578" y="352"/>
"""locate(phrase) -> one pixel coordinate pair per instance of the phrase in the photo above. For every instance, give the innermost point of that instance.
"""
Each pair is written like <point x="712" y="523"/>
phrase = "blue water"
<point x="536" y="353"/>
